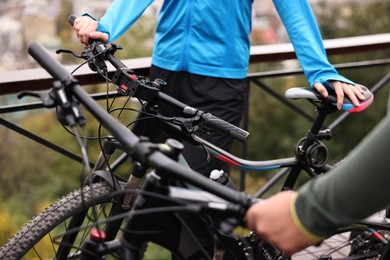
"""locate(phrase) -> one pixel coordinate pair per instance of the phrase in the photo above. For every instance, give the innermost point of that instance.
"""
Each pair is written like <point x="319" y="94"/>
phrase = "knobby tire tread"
<point x="55" y="214"/>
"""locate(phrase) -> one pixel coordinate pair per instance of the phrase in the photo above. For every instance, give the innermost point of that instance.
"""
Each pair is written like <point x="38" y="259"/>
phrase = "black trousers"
<point x="221" y="97"/>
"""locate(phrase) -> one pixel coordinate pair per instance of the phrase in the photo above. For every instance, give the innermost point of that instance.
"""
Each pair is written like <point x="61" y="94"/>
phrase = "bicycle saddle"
<point x="331" y="99"/>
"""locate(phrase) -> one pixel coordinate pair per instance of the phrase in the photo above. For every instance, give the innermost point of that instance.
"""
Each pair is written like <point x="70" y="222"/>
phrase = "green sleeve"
<point x="352" y="191"/>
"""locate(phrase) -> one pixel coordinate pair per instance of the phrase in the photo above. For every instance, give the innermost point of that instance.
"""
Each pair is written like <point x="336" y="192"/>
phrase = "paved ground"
<point x="332" y="244"/>
<point x="327" y="247"/>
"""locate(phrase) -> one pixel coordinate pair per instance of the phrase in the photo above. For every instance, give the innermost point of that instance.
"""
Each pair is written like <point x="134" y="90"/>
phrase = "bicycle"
<point x="288" y="162"/>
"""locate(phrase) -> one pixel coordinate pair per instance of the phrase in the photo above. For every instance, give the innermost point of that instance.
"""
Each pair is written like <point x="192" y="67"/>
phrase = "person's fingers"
<point x="86" y="31"/>
<point x="358" y="91"/>
<point x="321" y="89"/>
<point x="272" y="220"/>
<point x="251" y="216"/>
<point x="99" y="36"/>
<point x="83" y="27"/>
<point x="354" y="92"/>
<point x="349" y="90"/>
<point x="76" y="26"/>
<point x="339" y="90"/>
<point x="79" y="28"/>
<point x="289" y="239"/>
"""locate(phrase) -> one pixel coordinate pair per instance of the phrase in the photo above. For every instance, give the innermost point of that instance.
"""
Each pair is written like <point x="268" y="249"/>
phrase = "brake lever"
<point x="90" y="54"/>
<point x="187" y="125"/>
<point x="70" y="52"/>
<point x="45" y="96"/>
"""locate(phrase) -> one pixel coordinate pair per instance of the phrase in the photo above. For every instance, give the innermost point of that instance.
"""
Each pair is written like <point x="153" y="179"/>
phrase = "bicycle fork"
<point x="119" y="206"/>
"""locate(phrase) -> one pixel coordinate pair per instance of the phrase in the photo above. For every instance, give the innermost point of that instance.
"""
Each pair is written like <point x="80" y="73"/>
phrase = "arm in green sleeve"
<point x="305" y="36"/>
<point x="120" y="16"/>
<point x="352" y="191"/>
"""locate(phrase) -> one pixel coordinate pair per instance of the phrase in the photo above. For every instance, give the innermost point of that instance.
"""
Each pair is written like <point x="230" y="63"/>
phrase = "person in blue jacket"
<point x="201" y="49"/>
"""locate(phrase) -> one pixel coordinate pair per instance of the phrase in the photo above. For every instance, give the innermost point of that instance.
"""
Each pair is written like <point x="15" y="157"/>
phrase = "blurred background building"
<point x="25" y="21"/>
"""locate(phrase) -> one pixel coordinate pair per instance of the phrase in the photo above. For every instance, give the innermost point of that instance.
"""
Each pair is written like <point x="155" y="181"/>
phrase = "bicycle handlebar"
<point x="130" y="142"/>
<point x="225" y="127"/>
<point x="58" y="72"/>
<point x="71" y="19"/>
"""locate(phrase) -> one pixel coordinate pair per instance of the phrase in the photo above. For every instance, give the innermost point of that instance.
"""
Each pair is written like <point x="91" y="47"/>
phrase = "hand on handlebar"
<point x="354" y="92"/>
<point x="85" y="28"/>
<point x="272" y="220"/>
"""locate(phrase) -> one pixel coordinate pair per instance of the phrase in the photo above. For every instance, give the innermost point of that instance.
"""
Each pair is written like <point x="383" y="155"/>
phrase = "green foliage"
<point x="9" y="223"/>
<point x="352" y="19"/>
<point x="156" y="252"/>
<point x="66" y="33"/>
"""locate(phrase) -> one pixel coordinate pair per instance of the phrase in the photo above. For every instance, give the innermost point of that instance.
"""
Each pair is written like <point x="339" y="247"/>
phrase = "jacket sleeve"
<point x="305" y="36"/>
<point x="354" y="190"/>
<point x="120" y="16"/>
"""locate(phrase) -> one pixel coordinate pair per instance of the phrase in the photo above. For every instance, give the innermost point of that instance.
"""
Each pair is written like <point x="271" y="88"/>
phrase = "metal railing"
<point x="37" y="79"/>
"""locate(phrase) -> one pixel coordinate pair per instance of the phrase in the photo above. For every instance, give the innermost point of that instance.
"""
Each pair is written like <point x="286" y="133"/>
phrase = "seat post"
<point x="323" y="112"/>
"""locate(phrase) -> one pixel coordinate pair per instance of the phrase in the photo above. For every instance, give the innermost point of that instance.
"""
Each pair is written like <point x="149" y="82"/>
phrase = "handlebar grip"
<point x="226" y="127"/>
<point x="51" y="65"/>
<point x="72" y="18"/>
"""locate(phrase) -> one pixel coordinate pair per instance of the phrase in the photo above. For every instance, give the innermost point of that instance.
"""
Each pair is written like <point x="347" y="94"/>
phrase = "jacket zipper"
<point x="186" y="37"/>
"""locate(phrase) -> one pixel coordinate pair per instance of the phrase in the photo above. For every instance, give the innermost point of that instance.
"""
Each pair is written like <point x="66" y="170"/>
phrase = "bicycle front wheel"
<point x="38" y="239"/>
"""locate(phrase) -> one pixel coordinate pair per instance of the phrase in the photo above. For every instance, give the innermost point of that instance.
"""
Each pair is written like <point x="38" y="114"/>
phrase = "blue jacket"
<point x="211" y="37"/>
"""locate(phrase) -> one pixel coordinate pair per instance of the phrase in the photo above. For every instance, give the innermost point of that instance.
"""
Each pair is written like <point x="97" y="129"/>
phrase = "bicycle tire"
<point x="26" y="242"/>
<point x="42" y="224"/>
